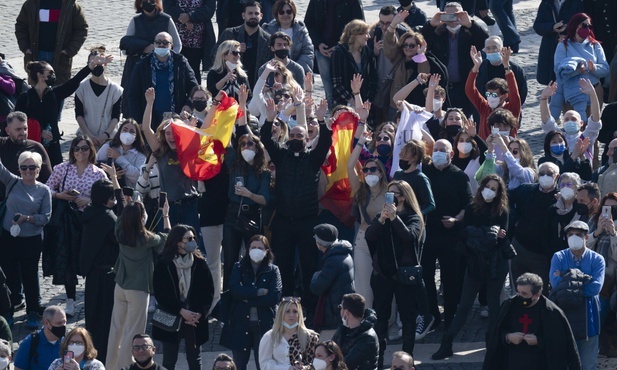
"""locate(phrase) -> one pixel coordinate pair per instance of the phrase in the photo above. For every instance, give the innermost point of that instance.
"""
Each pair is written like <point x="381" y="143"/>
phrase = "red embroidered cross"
<point x="525" y="320"/>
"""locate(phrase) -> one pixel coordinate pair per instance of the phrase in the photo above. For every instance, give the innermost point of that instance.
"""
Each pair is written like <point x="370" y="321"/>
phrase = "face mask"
<point x="567" y="193"/>
<point x="437" y="103"/>
<point x="4" y="362"/>
<point x="189" y="247"/>
<point x="345" y="323"/>
<point x="231" y="65"/>
<point x="454" y="29"/>
<point x="546" y="181"/>
<point x="257" y="255"/>
<point x="464" y="147"/>
<point x="58" y="331"/>
<point x="614" y="213"/>
<point x="371" y="180"/>
<point x="504" y="133"/>
<point x="290" y="326"/>
<point x="51" y="80"/>
<point x="296" y="146"/>
<point x="488" y="194"/>
<point x="98" y="70"/>
<point x="583" y="32"/>
<point x="525" y="302"/>
<point x="162" y="52"/>
<point x="575" y="242"/>
<point x="248" y="154"/>
<point x="148" y="7"/>
<point x="440" y="159"/>
<point x="570" y="127"/>
<point x="493" y="102"/>
<point x="200" y="105"/>
<point x="127" y="138"/>
<point x="582" y="209"/>
<point x="319" y="364"/>
<point x="384" y="149"/>
<point x="614" y="156"/>
<point x="452" y="130"/>
<point x="558" y="149"/>
<point x="405" y="3"/>
<point x="145" y="362"/>
<point x="493" y="57"/>
<point x="518" y="160"/>
<point x="15" y="230"/>
<point x="281" y="54"/>
<point x="403" y="165"/>
<point x="77" y="349"/>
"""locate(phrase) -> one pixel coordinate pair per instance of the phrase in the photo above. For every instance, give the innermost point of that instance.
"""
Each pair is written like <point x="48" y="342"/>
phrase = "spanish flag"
<point x="201" y="152"/>
<point x="337" y="197"/>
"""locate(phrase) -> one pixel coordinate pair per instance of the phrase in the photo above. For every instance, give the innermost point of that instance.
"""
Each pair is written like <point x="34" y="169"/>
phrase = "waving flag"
<point x="200" y="152"/>
<point x="337" y="198"/>
<point x="409" y="127"/>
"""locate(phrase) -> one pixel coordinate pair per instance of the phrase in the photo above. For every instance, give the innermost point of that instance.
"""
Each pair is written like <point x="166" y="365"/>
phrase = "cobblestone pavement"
<point x="108" y="21"/>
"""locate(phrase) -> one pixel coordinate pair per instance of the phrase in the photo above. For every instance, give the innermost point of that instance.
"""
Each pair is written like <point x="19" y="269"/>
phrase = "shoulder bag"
<point x="166" y="321"/>
<point x="408" y="275"/>
<point x="3" y="206"/>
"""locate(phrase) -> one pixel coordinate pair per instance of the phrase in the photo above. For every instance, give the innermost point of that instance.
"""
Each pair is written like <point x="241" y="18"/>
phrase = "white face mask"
<point x="231" y="65"/>
<point x="464" y="147"/>
<point x="437" y="103"/>
<point x="127" y="138"/>
<point x="345" y="323"/>
<point x="567" y="193"/>
<point x="575" y="242"/>
<point x="77" y="349"/>
<point x="257" y="255"/>
<point x="15" y="230"/>
<point x="488" y="194"/>
<point x="504" y="133"/>
<point x="440" y="159"/>
<point x="4" y="362"/>
<point x="290" y="326"/>
<point x="371" y="180"/>
<point x="248" y="154"/>
<point x="454" y="29"/>
<point x="493" y="102"/>
<point x="319" y="364"/>
<point x="546" y="181"/>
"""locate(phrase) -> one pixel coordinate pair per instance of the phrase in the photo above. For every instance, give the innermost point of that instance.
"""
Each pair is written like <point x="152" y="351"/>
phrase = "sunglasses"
<point x="547" y="173"/>
<point x="586" y="25"/>
<point x="491" y="94"/>
<point x="383" y="138"/>
<point x="189" y="238"/>
<point x="515" y="151"/>
<point x="369" y="169"/>
<point x="291" y="299"/>
<point x="31" y="167"/>
<point x="288" y="12"/>
<point x="235" y="53"/>
<point x="162" y="43"/>
<point x="409" y="46"/>
<point x="276" y="123"/>
<point x="84" y="148"/>
<point x="247" y="144"/>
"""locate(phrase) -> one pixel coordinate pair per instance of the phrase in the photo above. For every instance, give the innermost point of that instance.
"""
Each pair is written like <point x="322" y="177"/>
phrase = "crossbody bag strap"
<point x="64" y="179"/>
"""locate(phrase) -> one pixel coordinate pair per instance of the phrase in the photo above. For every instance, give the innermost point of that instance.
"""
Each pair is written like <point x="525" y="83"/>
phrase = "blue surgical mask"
<point x="440" y="158"/>
<point x="162" y="52"/>
<point x="189" y="247"/>
<point x="570" y="127"/>
<point x="493" y="57"/>
<point x="558" y="149"/>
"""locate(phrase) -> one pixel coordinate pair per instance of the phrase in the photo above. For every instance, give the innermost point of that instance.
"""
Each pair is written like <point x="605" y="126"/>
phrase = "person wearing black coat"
<point x="394" y="240"/>
<point x="255" y="290"/>
<point x="334" y="280"/>
<point x="183" y="286"/>
<point x="357" y="338"/>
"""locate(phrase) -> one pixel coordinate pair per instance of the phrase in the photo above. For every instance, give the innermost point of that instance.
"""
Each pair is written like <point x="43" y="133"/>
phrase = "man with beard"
<point x="254" y="40"/>
<point x="143" y="353"/>
<point x="297" y="178"/>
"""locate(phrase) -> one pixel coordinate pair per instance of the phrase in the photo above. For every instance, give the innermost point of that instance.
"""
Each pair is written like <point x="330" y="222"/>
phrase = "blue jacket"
<point x="566" y="61"/>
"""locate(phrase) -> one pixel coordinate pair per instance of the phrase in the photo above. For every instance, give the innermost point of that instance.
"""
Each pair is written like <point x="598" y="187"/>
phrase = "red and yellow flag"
<point x="201" y="152"/>
<point x="337" y="198"/>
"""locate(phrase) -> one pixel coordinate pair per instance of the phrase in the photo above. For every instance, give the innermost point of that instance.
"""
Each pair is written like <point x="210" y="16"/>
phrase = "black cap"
<point x="325" y="232"/>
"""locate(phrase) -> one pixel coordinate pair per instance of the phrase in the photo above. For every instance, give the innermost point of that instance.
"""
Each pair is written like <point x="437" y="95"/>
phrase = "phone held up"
<point x="162" y="199"/>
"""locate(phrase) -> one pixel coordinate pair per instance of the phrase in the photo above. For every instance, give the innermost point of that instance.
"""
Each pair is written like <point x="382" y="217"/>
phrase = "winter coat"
<point x="315" y="18"/>
<point x="359" y="345"/>
<point x="570" y="297"/>
<point x="72" y="32"/>
<point x="334" y="280"/>
<point x="99" y="246"/>
<point x="546" y="18"/>
<point x="243" y="287"/>
<point x="199" y="297"/>
<point x="302" y="51"/>
<point x="342" y="69"/>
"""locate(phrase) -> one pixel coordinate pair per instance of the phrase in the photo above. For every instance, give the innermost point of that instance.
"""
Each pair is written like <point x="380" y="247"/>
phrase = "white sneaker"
<point x="394" y="333"/>
<point x="484" y="311"/>
<point x="152" y="305"/>
<point x="70" y="308"/>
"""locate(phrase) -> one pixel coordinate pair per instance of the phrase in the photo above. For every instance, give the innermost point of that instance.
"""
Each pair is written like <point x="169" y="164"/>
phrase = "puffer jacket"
<point x="334" y="280"/>
<point x="570" y="297"/>
<point x="359" y="345"/>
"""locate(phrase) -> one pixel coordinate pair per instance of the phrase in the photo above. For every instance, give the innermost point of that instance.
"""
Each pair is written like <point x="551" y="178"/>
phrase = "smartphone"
<point x="239" y="181"/>
<point x="162" y="199"/>
<point x="448" y="17"/>
<point x="68" y="356"/>
<point x="495" y="131"/>
<point x="389" y="198"/>
<point x="127" y="191"/>
<point x="74" y="193"/>
<point x="606" y="211"/>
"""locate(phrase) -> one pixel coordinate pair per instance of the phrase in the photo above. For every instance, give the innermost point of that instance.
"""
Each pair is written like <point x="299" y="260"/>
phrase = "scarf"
<point x="183" y="267"/>
<point x="168" y="64"/>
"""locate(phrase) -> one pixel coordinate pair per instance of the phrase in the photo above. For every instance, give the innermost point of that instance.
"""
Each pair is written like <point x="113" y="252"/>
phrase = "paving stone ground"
<point x="108" y="21"/>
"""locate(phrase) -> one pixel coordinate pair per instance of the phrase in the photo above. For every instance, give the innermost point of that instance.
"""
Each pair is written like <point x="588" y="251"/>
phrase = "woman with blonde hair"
<point x="284" y="88"/>
<point x="350" y="57"/>
<point x="289" y="343"/>
<point x="227" y="73"/>
<point x="80" y="343"/>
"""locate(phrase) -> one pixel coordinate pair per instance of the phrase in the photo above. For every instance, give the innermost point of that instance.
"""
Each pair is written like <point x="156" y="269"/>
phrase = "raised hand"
<point x="586" y="86"/>
<point x="308" y="83"/>
<point x="549" y="90"/>
<point x="423" y="77"/>
<point x="320" y="113"/>
<point x="270" y="110"/>
<point x="356" y="83"/>
<point x="476" y="58"/>
<point x="243" y="94"/>
<point x="364" y="110"/>
<point x="377" y="46"/>
<point x="270" y="66"/>
<point x="434" y="80"/>
<point x="506" y="52"/>
<point x="463" y="18"/>
<point x="399" y="17"/>
<point x="149" y="95"/>
<point x="470" y="128"/>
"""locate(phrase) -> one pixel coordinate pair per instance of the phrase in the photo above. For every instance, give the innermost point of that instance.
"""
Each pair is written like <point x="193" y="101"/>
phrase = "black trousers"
<point x="232" y="243"/>
<point x="242" y="357"/>
<point x="98" y="305"/>
<point x="193" y="351"/>
<point x="193" y="55"/>
<point x="20" y="258"/>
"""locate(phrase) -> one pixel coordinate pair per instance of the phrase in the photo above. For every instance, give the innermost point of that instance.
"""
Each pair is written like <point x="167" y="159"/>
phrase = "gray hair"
<point x="36" y="157"/>
<point x="404" y="356"/>
<point x="550" y="165"/>
<point x="16" y="115"/>
<point x="496" y="39"/>
<point x="51" y="311"/>
<point x="532" y="280"/>
<point x="572" y="176"/>
<point x="453" y="4"/>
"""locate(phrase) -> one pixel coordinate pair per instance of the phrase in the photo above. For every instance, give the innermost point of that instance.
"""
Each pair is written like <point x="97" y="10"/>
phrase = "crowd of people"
<point x="316" y="236"/>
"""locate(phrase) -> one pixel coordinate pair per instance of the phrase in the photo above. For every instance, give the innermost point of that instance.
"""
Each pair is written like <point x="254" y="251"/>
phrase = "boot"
<point x="445" y="350"/>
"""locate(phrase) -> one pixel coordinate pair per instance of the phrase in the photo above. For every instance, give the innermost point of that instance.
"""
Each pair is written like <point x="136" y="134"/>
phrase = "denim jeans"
<point x="588" y="351"/>
<point x="503" y="12"/>
<point x="323" y="63"/>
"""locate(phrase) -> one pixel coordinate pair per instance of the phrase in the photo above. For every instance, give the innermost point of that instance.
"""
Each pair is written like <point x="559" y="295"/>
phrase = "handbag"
<point x="245" y="224"/>
<point x="408" y="275"/>
<point x="3" y="205"/>
<point x="166" y="321"/>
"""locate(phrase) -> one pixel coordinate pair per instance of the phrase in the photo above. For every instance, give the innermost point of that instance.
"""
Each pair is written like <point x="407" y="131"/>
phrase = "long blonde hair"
<point x="304" y="333"/>
<point x="225" y="48"/>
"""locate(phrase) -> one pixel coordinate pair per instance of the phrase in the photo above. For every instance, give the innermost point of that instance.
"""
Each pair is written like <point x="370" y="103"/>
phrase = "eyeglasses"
<point x="409" y="46"/>
<point x="546" y="173"/>
<point x="383" y="138"/>
<point x="491" y="94"/>
<point x="161" y="43"/>
<point x="564" y="184"/>
<point x="291" y="299"/>
<point x="288" y="12"/>
<point x="369" y="169"/>
<point x="587" y="25"/>
<point x="31" y="167"/>
<point x="83" y="148"/>
<point x="382" y="24"/>
<point x="235" y="53"/>
<point x="247" y="144"/>
<point x="313" y="123"/>
<point x="143" y="347"/>
<point x="189" y="238"/>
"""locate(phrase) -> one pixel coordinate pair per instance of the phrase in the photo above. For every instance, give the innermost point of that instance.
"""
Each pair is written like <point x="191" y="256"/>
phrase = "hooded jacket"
<point x="359" y="345"/>
<point x="334" y="280"/>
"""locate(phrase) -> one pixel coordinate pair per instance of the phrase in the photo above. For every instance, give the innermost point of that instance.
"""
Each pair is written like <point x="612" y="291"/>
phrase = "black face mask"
<point x="51" y="80"/>
<point x="281" y="54"/>
<point x="582" y="209"/>
<point x="615" y="155"/>
<point x="452" y="130"/>
<point x="525" y="302"/>
<point x="98" y="70"/>
<point x="614" y="213"/>
<point x="405" y="3"/>
<point x="296" y="146"/>
<point x="200" y="105"/>
<point x="58" y="331"/>
<point x="404" y="165"/>
<point x="148" y="7"/>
